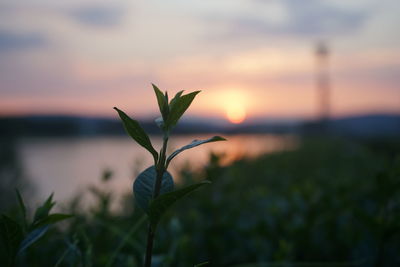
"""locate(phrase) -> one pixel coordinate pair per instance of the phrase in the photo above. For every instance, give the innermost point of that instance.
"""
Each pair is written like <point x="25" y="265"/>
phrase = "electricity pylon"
<point x="323" y="81"/>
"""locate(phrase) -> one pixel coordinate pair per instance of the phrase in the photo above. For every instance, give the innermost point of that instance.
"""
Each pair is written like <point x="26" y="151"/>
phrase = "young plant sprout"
<point x="153" y="188"/>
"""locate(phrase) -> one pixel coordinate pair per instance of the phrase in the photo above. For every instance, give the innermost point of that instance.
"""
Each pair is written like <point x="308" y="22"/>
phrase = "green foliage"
<point x="16" y="237"/>
<point x="201" y="264"/>
<point x="43" y="211"/>
<point x="171" y="112"/>
<point x="51" y="219"/>
<point x="11" y="236"/>
<point x="194" y="143"/>
<point x="144" y="184"/>
<point x="162" y="100"/>
<point x="145" y="187"/>
<point x="32" y="237"/>
<point x="326" y="203"/>
<point x="125" y="240"/>
<point x="178" y="105"/>
<point x="154" y="184"/>
<point x="22" y="209"/>
<point x="136" y="131"/>
<point x="160" y="205"/>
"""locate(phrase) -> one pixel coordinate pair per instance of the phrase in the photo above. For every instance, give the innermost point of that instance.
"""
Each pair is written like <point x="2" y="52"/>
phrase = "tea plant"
<point x="153" y="188"/>
<point x="17" y="235"/>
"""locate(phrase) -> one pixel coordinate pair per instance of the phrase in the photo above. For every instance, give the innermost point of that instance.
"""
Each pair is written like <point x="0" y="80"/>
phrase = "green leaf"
<point x="52" y="219"/>
<point x="22" y="208"/>
<point x="11" y="235"/>
<point x="162" y="102"/>
<point x="21" y="203"/>
<point x="159" y="205"/>
<point x="32" y="237"/>
<point x="179" y="104"/>
<point x="176" y="97"/>
<point x="134" y="129"/>
<point x="43" y="211"/>
<point x="143" y="187"/>
<point x="194" y="143"/>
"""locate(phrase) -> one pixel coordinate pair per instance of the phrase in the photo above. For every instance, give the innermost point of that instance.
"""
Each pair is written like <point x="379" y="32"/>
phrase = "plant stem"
<point x="149" y="247"/>
<point x="160" y="167"/>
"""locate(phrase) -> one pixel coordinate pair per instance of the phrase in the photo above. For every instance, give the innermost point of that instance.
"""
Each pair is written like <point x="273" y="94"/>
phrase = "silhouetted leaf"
<point x="43" y="211"/>
<point x="159" y="205"/>
<point x="162" y="102"/>
<point x="10" y="238"/>
<point x="134" y="129"/>
<point x="52" y="219"/>
<point x="178" y="106"/>
<point x="176" y="97"/>
<point x="143" y="187"/>
<point x="194" y="143"/>
<point x="32" y="237"/>
<point x="22" y="208"/>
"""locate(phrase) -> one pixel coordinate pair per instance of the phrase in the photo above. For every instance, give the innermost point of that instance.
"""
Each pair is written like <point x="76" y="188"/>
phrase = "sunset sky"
<point x="250" y="58"/>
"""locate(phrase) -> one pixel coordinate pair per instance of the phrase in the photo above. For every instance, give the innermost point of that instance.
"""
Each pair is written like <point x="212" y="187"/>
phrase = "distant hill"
<point x="360" y="126"/>
<point x="368" y="125"/>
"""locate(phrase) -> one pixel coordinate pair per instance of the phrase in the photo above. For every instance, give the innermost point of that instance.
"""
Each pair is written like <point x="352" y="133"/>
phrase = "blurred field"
<point x="327" y="203"/>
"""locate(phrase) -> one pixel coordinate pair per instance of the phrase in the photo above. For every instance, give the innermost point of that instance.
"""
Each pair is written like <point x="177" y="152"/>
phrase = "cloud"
<point x="97" y="16"/>
<point x="316" y="17"/>
<point x="309" y="18"/>
<point x="14" y="41"/>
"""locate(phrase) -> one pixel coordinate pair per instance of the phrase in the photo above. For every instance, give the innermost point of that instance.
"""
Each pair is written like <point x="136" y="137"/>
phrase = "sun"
<point x="234" y="106"/>
<point x="236" y="114"/>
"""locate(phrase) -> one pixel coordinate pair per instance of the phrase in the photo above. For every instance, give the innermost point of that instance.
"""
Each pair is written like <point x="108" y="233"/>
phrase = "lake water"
<point x="69" y="166"/>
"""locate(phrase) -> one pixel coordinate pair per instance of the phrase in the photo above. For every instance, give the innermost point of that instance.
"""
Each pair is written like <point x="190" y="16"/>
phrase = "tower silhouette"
<point x="323" y="81"/>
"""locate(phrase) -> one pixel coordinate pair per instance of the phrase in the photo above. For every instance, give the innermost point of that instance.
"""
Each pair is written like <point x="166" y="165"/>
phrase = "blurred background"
<point x="306" y="92"/>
